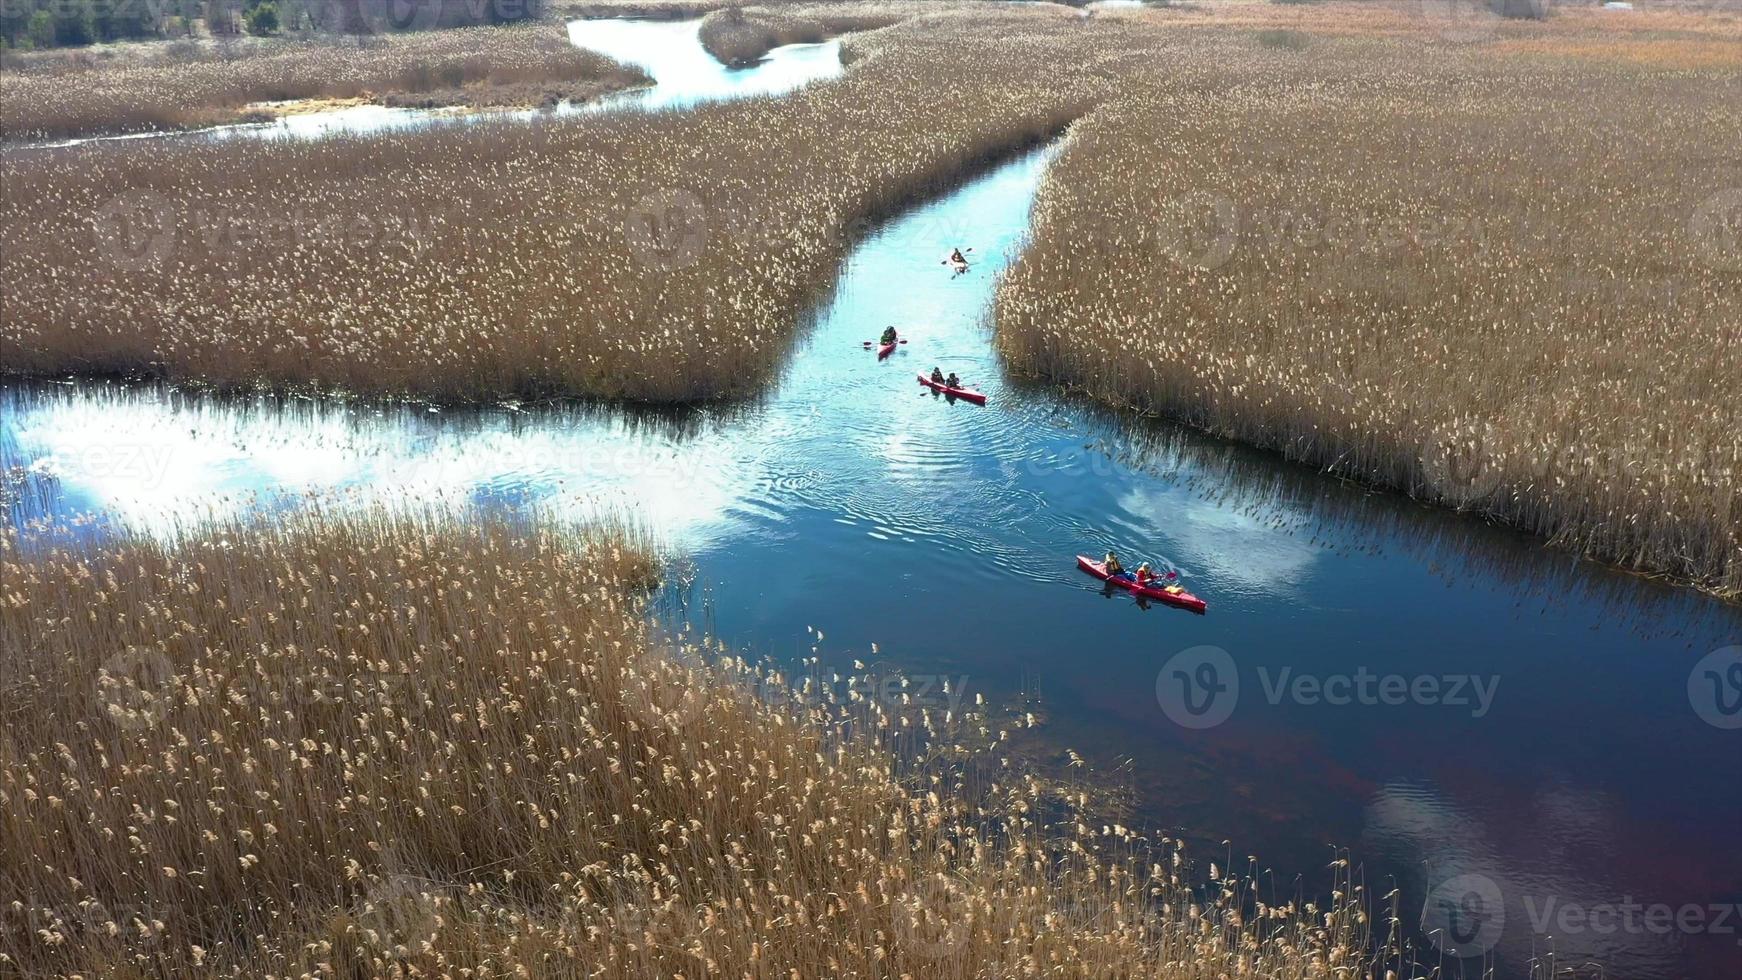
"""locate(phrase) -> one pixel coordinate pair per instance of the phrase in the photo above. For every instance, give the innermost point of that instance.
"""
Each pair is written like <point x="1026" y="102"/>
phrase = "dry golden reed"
<point x="1510" y="285"/>
<point x="1484" y="262"/>
<point x="158" y="88"/>
<point x="662" y="257"/>
<point x="736" y="36"/>
<point x="451" y="745"/>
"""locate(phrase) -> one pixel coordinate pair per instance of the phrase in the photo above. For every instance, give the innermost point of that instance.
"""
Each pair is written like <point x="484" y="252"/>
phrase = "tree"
<point x="75" y="25"/>
<point x="40" y="29"/>
<point x="221" y="17"/>
<point x="1521" y="9"/>
<point x="261" y="19"/>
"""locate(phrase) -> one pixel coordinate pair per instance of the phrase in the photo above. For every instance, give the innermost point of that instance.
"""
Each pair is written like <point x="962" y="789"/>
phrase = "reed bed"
<point x="739" y="36"/>
<point x="655" y="257"/>
<point x="166" y="87"/>
<point x="1505" y="284"/>
<point x="1494" y="269"/>
<point x="418" y="745"/>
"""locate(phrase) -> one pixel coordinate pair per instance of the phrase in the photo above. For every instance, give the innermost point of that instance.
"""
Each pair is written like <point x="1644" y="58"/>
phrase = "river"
<point x="1500" y="729"/>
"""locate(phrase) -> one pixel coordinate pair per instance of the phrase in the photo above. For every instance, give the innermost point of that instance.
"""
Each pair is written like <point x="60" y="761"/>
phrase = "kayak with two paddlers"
<point x="951" y="386"/>
<point x="1143" y="582"/>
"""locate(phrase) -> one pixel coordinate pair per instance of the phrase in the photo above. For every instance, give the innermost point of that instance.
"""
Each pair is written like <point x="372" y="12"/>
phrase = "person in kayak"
<point x="1111" y="565"/>
<point x="888" y="336"/>
<point x="937" y="376"/>
<point x="956" y="257"/>
<point x="1147" y="578"/>
<point x="952" y="381"/>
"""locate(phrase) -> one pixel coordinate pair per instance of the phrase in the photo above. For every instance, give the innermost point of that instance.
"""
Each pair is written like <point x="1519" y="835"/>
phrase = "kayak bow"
<point x="962" y="393"/>
<point x="1125" y="580"/>
<point x="884" y="350"/>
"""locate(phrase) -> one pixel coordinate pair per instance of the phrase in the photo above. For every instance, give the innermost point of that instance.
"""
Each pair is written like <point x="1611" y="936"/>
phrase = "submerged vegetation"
<point x="433" y="745"/>
<point x="1501" y="284"/>
<point x="186" y="84"/>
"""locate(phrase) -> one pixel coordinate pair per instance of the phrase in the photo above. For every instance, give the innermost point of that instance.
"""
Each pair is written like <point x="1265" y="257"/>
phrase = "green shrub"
<point x="261" y="19"/>
<point x="40" y="31"/>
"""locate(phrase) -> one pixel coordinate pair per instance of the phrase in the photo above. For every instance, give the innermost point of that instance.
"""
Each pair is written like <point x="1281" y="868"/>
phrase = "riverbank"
<point x="740" y="36"/>
<point x="1478" y="334"/>
<point x="964" y="520"/>
<point x="446" y="743"/>
<point x="183" y="85"/>
<point x="1500" y="284"/>
<point x="683" y="277"/>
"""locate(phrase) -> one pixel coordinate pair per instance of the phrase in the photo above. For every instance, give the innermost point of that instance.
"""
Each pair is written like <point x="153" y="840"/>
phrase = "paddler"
<point x="956" y="257"/>
<point x="888" y="336"/>
<point x="952" y="381"/>
<point x="1147" y="578"/>
<point x="1111" y="564"/>
<point x="937" y="376"/>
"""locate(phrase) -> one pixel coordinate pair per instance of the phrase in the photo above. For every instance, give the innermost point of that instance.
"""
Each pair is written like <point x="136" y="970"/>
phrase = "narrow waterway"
<point x="670" y="52"/>
<point x="1550" y="745"/>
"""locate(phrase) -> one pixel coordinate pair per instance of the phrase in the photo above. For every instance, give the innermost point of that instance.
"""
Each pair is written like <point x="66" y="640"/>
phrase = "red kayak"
<point x="885" y="350"/>
<point x="962" y="393"/>
<point x="1125" y="580"/>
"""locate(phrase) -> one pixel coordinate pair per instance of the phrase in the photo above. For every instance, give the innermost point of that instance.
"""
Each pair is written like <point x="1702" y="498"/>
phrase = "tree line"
<point x="35" y="24"/>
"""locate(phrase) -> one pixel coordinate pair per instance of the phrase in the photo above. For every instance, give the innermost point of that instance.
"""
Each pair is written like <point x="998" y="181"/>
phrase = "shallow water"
<point x="684" y="75"/>
<point x="1593" y="772"/>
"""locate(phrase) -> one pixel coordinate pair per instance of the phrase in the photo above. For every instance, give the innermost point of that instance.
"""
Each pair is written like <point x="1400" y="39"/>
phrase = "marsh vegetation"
<point x="1501" y="283"/>
<point x="441" y="744"/>
<point x="1496" y="274"/>
<point x="659" y="257"/>
<point x="185" y="85"/>
<point x="739" y="36"/>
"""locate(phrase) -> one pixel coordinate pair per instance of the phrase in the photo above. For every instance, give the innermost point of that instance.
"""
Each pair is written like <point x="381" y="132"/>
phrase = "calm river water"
<point x="1515" y="738"/>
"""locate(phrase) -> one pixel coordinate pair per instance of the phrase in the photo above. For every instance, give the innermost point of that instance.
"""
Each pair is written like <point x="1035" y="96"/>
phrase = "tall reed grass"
<point x="657" y="257"/>
<point x="395" y="746"/>
<point x="169" y="87"/>
<point x="1502" y="284"/>
<point x="739" y="36"/>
